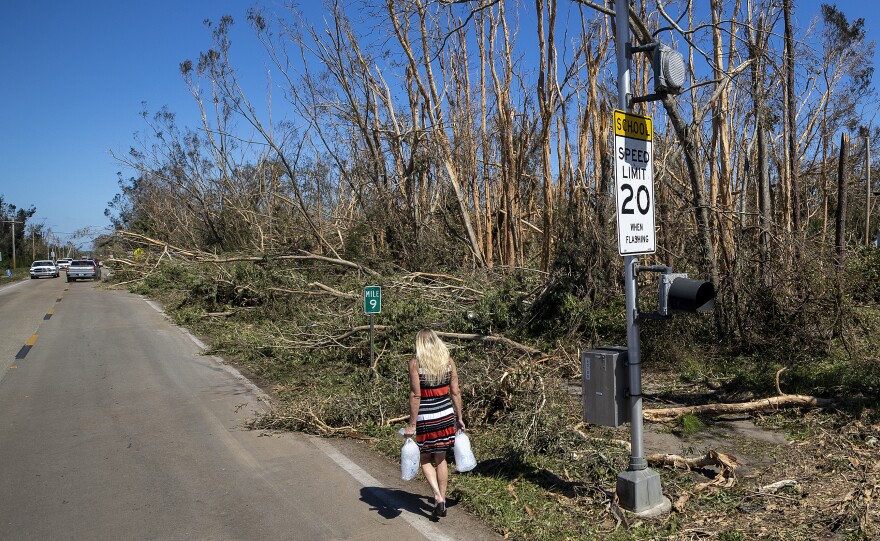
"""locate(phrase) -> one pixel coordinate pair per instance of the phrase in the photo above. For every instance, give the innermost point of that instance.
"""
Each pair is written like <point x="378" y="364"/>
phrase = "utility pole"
<point x="13" y="222"/>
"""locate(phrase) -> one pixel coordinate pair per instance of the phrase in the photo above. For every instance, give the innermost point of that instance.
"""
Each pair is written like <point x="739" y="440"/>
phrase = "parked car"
<point x="64" y="263"/>
<point x="81" y="269"/>
<point x="43" y="268"/>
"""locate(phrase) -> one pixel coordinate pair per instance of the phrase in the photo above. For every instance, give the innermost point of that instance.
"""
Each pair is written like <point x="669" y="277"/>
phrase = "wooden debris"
<point x="493" y="338"/>
<point x="680" y="502"/>
<point x="780" y="401"/>
<point x="788" y="400"/>
<point x="773" y="487"/>
<point x="727" y="465"/>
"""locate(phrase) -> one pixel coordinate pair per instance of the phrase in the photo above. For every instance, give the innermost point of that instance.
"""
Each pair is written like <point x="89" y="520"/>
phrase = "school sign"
<point x="634" y="178"/>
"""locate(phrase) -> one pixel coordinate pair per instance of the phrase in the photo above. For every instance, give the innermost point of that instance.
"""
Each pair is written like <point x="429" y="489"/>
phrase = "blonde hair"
<point x="433" y="357"/>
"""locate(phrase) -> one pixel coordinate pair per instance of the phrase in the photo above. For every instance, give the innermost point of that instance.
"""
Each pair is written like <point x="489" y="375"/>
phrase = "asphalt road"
<point x="113" y="425"/>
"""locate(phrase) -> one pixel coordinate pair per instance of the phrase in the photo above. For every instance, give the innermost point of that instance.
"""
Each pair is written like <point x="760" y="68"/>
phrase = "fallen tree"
<point x="201" y="256"/>
<point x="493" y="339"/>
<point x="764" y="404"/>
<point x="781" y="401"/>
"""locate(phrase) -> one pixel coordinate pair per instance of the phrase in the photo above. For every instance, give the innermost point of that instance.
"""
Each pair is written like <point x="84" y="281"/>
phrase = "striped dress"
<point x="435" y="425"/>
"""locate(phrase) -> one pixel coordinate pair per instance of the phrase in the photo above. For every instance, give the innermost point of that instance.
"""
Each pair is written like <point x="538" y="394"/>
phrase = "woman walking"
<point x="434" y="411"/>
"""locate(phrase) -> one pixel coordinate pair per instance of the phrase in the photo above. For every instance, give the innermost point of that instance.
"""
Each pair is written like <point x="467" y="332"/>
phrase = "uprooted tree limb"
<point x="775" y="402"/>
<point x="460" y="336"/>
<point x="304" y="419"/>
<point x="324" y="289"/>
<point x="207" y="257"/>
<point x="496" y="339"/>
<point x="726" y="464"/>
<point x="788" y="400"/>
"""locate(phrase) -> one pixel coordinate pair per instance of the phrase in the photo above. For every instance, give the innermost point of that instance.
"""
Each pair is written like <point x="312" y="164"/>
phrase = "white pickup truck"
<point x="81" y="269"/>
<point x="43" y="268"/>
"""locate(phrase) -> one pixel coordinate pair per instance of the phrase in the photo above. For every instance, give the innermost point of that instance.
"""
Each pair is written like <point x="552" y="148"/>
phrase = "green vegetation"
<point x="690" y="424"/>
<point x="20" y="273"/>
<point x="543" y="474"/>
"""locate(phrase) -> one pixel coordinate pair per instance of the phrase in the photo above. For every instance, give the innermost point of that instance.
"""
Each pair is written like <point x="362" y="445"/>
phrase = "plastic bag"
<point x="409" y="459"/>
<point x="464" y="455"/>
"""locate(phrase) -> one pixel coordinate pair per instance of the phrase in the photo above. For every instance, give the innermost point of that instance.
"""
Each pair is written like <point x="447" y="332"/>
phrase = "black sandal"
<point x="440" y="509"/>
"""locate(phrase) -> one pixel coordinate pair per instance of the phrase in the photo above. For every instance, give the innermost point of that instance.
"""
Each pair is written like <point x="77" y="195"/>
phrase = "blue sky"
<point x="76" y="73"/>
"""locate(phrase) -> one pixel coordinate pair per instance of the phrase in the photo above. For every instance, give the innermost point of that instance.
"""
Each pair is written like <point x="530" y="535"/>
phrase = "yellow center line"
<point x="51" y="312"/>
<point x="32" y="340"/>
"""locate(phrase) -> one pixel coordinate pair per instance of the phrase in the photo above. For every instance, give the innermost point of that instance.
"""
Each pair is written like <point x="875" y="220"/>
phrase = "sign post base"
<point x="639" y="491"/>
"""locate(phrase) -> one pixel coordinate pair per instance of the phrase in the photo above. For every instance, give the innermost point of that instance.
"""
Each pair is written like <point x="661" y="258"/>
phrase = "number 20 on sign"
<point x="634" y="179"/>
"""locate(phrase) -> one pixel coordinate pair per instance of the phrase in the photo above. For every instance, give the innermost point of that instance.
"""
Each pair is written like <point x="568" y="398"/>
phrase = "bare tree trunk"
<point x="689" y="143"/>
<point x="867" y="187"/>
<point x="825" y="191"/>
<point x="793" y="162"/>
<point x="484" y="138"/>
<point x="546" y="102"/>
<point x="427" y="86"/>
<point x="764" y="202"/>
<point x="509" y="226"/>
<point x="840" y="228"/>
<point x="721" y="135"/>
<point x="471" y="140"/>
<point x="842" y="180"/>
<point x="757" y="42"/>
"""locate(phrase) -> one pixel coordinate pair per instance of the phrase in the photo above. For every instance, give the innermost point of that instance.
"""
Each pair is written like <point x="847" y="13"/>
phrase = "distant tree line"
<point x="476" y="133"/>
<point x="15" y="219"/>
<point x="33" y="241"/>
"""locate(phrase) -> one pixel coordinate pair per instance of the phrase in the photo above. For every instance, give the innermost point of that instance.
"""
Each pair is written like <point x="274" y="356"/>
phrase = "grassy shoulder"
<point x="16" y="275"/>
<point x="300" y="333"/>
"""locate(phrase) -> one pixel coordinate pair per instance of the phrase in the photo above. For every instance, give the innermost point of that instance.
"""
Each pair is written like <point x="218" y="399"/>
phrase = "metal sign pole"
<point x="637" y="461"/>
<point x="372" y="306"/>
<point x="371" y="341"/>
<point x="634" y="360"/>
<point x="638" y="488"/>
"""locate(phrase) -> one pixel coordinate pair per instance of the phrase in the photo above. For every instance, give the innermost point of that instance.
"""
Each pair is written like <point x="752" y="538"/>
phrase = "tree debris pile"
<point x="297" y="327"/>
<point x="823" y="485"/>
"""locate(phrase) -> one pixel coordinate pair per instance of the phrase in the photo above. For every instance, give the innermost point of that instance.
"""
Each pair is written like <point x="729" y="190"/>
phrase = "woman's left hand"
<point x="410" y="430"/>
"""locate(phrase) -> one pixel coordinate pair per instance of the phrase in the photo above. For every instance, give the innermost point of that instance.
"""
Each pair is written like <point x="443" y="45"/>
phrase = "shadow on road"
<point x="390" y="503"/>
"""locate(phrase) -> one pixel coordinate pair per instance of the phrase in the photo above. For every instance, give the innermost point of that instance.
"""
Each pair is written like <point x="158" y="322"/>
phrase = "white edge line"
<point x="358" y="473"/>
<point x="366" y="480"/>
<point x="262" y="397"/>
<point x="7" y="287"/>
<point x="155" y="306"/>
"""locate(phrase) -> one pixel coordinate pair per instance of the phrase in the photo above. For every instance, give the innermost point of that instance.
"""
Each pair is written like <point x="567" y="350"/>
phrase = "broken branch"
<point x="787" y="400"/>
<point x="492" y="338"/>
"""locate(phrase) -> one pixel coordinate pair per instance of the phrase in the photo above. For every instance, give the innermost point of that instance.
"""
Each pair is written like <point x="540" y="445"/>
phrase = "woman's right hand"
<point x="459" y="424"/>
<point x="410" y="430"/>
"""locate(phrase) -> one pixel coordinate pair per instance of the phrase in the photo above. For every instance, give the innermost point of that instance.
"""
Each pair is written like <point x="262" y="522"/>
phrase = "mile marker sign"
<point x="634" y="175"/>
<point x="372" y="300"/>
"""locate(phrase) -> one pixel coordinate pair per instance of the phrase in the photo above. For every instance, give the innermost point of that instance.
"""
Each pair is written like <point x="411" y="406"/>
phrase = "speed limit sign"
<point x="634" y="183"/>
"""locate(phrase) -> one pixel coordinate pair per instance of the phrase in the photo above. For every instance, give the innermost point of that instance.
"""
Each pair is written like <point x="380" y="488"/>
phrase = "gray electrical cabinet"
<point x="604" y="380"/>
